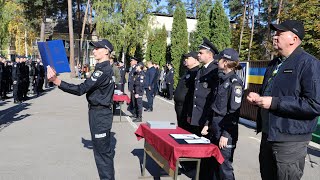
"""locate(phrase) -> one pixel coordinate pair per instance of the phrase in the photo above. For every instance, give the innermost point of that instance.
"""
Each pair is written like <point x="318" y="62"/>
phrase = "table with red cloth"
<point x="171" y="150"/>
<point x="120" y="98"/>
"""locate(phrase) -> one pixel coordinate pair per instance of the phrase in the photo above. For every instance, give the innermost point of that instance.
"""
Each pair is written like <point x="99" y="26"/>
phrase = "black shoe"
<point x="146" y="110"/>
<point x="133" y="116"/>
<point x="139" y="119"/>
<point x="16" y="102"/>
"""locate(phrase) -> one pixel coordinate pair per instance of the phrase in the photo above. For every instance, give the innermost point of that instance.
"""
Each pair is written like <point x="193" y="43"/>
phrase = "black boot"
<point x="138" y="119"/>
<point x="133" y="116"/>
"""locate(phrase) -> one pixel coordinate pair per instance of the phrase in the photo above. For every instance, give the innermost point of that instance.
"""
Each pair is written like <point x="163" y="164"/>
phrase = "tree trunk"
<point x="43" y="26"/>
<point x="242" y="26"/>
<point x="70" y="23"/>
<point x="84" y="25"/>
<point x="279" y="11"/>
<point x="252" y="28"/>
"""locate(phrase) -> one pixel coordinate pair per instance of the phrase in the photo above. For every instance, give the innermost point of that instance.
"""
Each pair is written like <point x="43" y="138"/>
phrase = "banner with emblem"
<point x="53" y="53"/>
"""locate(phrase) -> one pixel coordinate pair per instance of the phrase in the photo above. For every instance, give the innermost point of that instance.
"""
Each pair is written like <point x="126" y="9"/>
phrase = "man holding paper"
<point x="99" y="92"/>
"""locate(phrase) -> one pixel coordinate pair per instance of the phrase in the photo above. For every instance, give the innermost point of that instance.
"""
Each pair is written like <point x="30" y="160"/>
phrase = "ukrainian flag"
<point x="256" y="75"/>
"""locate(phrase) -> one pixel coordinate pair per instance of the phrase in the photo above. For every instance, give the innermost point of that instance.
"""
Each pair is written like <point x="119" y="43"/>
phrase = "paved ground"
<point x="47" y="138"/>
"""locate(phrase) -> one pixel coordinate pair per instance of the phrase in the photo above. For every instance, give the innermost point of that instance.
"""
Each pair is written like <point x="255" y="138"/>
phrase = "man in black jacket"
<point x="289" y="102"/>
<point x="150" y="79"/>
<point x="183" y="100"/>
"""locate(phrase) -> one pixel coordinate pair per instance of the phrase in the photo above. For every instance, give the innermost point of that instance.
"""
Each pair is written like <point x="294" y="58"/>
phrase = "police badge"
<point x="205" y="85"/>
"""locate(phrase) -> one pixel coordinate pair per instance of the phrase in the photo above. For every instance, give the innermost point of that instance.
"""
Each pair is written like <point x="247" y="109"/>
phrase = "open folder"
<point x="190" y="139"/>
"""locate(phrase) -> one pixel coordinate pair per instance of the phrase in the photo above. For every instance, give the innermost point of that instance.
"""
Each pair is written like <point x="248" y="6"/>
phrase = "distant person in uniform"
<point x="133" y="63"/>
<point x="289" y="105"/>
<point x="99" y="92"/>
<point x="225" y="107"/>
<point x="116" y="71"/>
<point x="157" y="79"/>
<point x="150" y="80"/>
<point x="169" y="78"/>
<point x="123" y="80"/>
<point x="138" y="89"/>
<point x="16" y="76"/>
<point x="183" y="99"/>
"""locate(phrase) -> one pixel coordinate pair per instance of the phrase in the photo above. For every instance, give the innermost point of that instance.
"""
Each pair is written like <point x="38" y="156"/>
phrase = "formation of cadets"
<point x="22" y="77"/>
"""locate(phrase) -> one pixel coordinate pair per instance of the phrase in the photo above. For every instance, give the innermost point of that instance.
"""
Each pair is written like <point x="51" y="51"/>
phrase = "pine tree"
<point x="179" y="40"/>
<point x="308" y="13"/>
<point x="220" y="27"/>
<point x="203" y="29"/>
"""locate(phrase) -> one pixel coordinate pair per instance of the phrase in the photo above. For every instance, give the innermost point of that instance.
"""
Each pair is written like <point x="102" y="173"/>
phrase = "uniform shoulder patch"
<point x="238" y="90"/>
<point x="97" y="74"/>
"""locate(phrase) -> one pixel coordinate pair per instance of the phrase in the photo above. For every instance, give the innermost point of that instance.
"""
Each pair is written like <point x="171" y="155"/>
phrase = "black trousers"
<point x="170" y="91"/>
<point x="138" y="105"/>
<point x="100" y="122"/>
<point x="131" y="106"/>
<point x="149" y="94"/>
<point x="182" y="117"/>
<point x="16" y="91"/>
<point x="282" y="160"/>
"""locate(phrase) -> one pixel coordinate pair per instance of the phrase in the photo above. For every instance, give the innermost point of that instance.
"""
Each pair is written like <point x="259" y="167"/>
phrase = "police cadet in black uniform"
<point x="16" y="80"/>
<point x="133" y="63"/>
<point x="24" y="78"/>
<point x="226" y="110"/>
<point x="170" y="80"/>
<point x="183" y="99"/>
<point x="138" y="89"/>
<point x="99" y="92"/>
<point x="39" y="77"/>
<point x="123" y="80"/>
<point x="205" y="81"/>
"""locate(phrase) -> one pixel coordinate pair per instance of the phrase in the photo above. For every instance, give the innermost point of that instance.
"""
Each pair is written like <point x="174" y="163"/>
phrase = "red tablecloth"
<point x="121" y="98"/>
<point x="170" y="150"/>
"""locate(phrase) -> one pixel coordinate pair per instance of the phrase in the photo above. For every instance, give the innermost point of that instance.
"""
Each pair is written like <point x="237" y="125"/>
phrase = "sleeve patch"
<point x="97" y="74"/>
<point x="238" y="90"/>
<point x="237" y="99"/>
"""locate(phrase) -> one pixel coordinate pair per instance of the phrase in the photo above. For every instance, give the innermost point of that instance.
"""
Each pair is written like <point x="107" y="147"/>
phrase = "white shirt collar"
<point x="206" y="65"/>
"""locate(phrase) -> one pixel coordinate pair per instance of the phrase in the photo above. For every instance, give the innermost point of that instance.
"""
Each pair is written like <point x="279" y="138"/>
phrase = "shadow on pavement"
<point x="151" y="166"/>
<point x="9" y="116"/>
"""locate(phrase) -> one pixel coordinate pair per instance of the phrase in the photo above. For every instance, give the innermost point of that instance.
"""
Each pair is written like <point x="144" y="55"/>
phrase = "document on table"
<point x="201" y="140"/>
<point x="184" y="136"/>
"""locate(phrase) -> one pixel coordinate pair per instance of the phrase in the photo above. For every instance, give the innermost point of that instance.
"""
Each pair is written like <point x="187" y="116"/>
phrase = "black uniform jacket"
<point x="185" y="90"/>
<point x="122" y="75"/>
<point x="16" y="72"/>
<point x="138" y="83"/>
<point x="295" y="105"/>
<point x="130" y="78"/>
<point x="205" y="81"/>
<point x="226" y="104"/>
<point x="99" y="87"/>
<point x="169" y="76"/>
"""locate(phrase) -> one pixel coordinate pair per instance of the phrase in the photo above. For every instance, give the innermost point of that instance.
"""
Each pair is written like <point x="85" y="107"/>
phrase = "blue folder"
<point x="53" y="54"/>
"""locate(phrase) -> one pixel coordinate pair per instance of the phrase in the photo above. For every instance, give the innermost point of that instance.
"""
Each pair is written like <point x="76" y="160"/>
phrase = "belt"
<point x="99" y="106"/>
